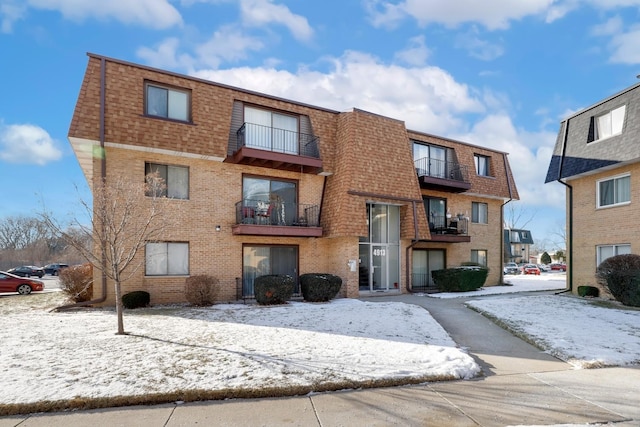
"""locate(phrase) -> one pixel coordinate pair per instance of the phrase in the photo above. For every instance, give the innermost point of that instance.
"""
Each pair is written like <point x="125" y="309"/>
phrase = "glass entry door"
<point x="380" y="250"/>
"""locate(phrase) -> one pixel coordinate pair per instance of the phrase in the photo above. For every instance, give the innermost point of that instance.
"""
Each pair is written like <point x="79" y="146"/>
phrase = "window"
<point x="272" y="131"/>
<point x="607" y="251"/>
<point x="610" y="123"/>
<point x="614" y="191"/>
<point x="176" y="180"/>
<point x="168" y="103"/>
<point x="166" y="259"/>
<point x="274" y="202"/>
<point x="482" y="165"/>
<point x="479" y="213"/>
<point x="436" y="209"/>
<point x="430" y="160"/>
<point x="261" y="260"/>
<point x="479" y="256"/>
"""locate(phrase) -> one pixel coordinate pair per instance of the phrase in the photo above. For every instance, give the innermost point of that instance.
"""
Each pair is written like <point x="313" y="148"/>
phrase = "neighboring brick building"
<point x="294" y="188"/>
<point x="597" y="158"/>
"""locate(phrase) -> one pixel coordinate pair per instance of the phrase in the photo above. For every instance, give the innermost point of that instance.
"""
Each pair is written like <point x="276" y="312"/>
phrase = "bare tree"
<point x="121" y="221"/>
<point x="24" y="240"/>
<point x="517" y="217"/>
<point x="559" y="235"/>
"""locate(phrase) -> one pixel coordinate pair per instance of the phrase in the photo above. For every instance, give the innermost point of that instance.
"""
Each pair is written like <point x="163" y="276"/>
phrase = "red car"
<point x="531" y="269"/>
<point x="556" y="266"/>
<point x="12" y="283"/>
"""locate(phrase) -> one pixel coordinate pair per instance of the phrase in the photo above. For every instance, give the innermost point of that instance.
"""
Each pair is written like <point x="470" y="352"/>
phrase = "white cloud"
<point x="10" y="12"/>
<point x="626" y="47"/>
<point x="426" y="98"/>
<point x="27" y="144"/>
<point x="492" y="14"/>
<point x="157" y="14"/>
<point x="478" y="48"/>
<point x="263" y="12"/>
<point x="415" y="54"/>
<point x="611" y="26"/>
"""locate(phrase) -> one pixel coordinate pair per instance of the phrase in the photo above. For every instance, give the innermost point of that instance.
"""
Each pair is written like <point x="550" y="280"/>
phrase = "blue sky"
<point x="497" y="73"/>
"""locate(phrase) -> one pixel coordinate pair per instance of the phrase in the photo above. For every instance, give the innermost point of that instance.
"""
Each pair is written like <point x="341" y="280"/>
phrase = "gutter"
<point x="103" y="176"/>
<point x="570" y="189"/>
<point x="506" y="169"/>
<point x="414" y="242"/>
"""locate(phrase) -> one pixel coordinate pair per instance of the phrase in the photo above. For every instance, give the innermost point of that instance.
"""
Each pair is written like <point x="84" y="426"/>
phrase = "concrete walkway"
<point x="521" y="386"/>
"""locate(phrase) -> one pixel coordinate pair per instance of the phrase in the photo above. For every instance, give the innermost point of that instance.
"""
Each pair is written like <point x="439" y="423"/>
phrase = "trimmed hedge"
<point x="273" y="289"/>
<point x="136" y="299"/>
<point x="460" y="279"/>
<point x="319" y="287"/>
<point x="588" y="291"/>
<point x="621" y="275"/>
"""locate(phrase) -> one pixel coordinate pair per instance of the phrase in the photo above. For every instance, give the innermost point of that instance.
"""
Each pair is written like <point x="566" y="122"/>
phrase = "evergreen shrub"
<point x="620" y="274"/>
<point x="273" y="289"/>
<point x="319" y="287"/>
<point x="460" y="279"/>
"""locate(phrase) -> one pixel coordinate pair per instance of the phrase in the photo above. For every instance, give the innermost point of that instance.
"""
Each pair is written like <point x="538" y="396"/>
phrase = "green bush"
<point x="136" y="299"/>
<point x="319" y="287"/>
<point x="77" y="282"/>
<point x="273" y="289"/>
<point x="620" y="274"/>
<point x="588" y="291"/>
<point x="201" y="289"/>
<point x="460" y="279"/>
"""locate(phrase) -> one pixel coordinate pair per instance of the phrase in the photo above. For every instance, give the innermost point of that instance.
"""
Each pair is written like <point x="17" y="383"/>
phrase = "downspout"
<point x="414" y="241"/>
<point x="570" y="188"/>
<point x="103" y="177"/>
<point x="506" y="169"/>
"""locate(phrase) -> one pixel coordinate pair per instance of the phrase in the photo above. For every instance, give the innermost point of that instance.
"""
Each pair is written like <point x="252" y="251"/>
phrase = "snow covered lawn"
<point x="49" y="356"/>
<point x="588" y="333"/>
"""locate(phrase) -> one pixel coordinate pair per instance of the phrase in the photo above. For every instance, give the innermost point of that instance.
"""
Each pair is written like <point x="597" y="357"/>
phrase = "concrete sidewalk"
<point x="521" y="386"/>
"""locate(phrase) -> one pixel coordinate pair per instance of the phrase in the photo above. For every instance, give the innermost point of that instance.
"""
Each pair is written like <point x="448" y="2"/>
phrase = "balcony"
<point x="260" y="218"/>
<point x="452" y="230"/>
<point x="442" y="175"/>
<point x="275" y="148"/>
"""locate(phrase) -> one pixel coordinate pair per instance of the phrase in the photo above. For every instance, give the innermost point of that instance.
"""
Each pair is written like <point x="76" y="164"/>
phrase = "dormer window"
<point x="170" y="103"/>
<point x="271" y="130"/>
<point x="609" y="124"/>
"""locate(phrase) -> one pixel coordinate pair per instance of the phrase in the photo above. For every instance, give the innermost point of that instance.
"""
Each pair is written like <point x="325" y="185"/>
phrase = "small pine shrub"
<point x="588" y="291"/>
<point x="201" y="290"/>
<point x="620" y="274"/>
<point x="460" y="279"/>
<point x="77" y="282"/>
<point x="273" y="289"/>
<point x="136" y="299"/>
<point x="319" y="287"/>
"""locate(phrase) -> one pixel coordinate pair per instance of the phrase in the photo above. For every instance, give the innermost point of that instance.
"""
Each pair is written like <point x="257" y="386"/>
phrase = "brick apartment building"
<point x="265" y="185"/>
<point x="596" y="157"/>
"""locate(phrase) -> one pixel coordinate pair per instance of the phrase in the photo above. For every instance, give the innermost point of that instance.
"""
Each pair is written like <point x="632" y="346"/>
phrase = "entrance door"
<point x="380" y="250"/>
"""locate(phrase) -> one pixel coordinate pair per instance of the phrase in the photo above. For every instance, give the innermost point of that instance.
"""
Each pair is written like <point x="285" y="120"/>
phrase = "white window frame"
<point x="609" y="124"/>
<point x="176" y="179"/>
<point x="616" y="202"/>
<point x="178" y="103"/>
<point x="483" y="165"/>
<point x="476" y="214"/>
<point x="479" y="256"/>
<point x="166" y="259"/>
<point x="619" y="249"/>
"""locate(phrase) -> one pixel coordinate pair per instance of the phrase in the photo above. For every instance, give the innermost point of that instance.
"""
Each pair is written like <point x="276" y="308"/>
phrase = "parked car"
<point x="54" y="269"/>
<point x="12" y="283"/>
<point x="544" y="267"/>
<point x="556" y="266"/>
<point x="511" y="268"/>
<point x="531" y="269"/>
<point x="27" y="271"/>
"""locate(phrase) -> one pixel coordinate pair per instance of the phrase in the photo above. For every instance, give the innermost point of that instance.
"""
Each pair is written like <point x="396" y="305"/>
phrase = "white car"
<point x="544" y="267"/>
